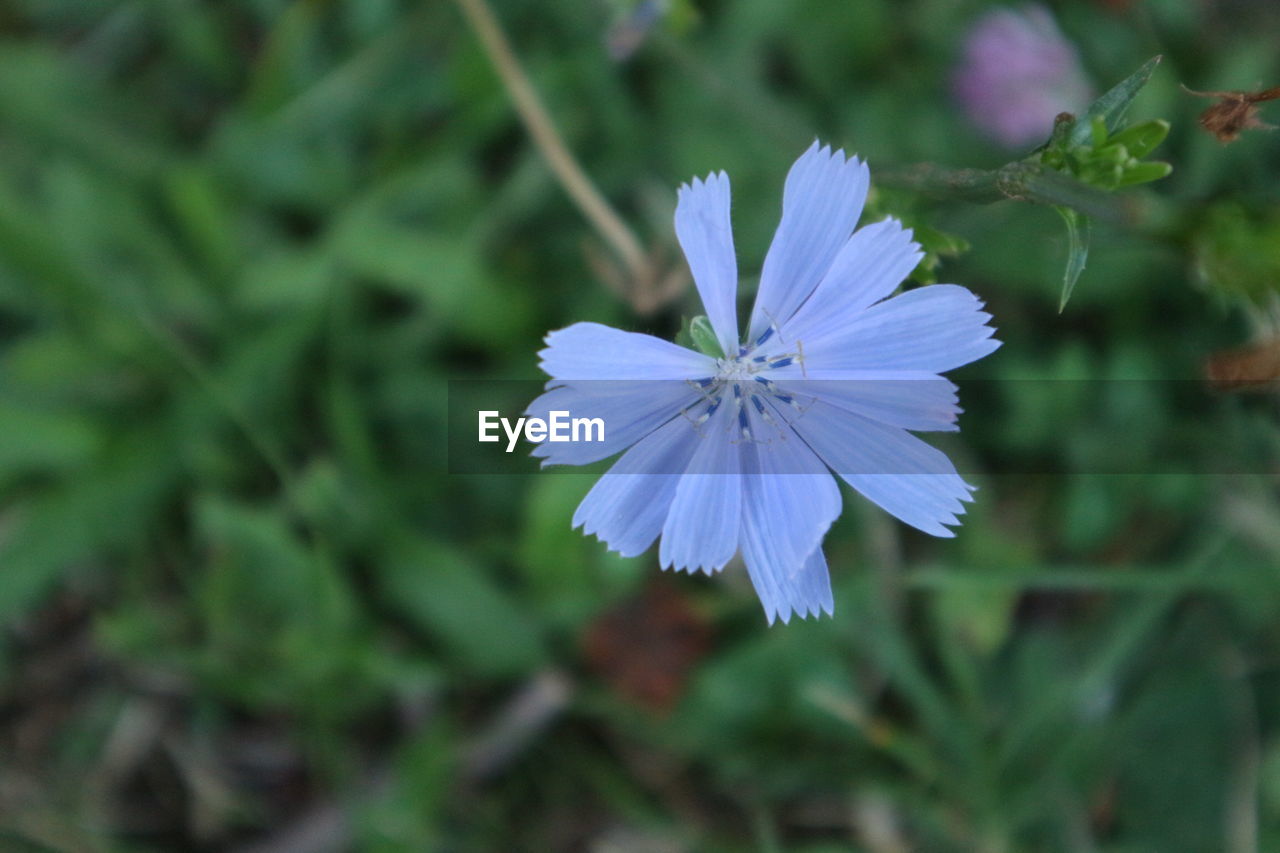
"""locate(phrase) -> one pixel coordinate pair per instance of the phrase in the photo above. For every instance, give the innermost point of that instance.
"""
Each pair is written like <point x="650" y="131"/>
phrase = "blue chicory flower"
<point x="731" y="452"/>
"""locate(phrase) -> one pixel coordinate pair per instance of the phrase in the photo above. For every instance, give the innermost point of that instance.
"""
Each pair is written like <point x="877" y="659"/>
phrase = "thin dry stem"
<point x="540" y="126"/>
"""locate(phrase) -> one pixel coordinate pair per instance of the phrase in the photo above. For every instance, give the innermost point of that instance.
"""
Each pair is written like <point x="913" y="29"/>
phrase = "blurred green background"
<point x="243" y="246"/>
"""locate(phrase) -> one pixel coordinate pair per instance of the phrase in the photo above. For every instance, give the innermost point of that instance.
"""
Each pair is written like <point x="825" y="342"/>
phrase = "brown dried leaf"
<point x="646" y="647"/>
<point x="1252" y="368"/>
<point x="1234" y="112"/>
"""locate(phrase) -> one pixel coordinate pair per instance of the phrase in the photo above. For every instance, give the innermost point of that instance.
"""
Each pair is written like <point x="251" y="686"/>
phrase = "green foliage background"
<point x="243" y="247"/>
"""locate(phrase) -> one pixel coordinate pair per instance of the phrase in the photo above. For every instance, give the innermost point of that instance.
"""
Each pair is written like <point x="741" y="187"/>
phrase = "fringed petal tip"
<point x="803" y="592"/>
<point x="714" y="180"/>
<point x="621" y="552"/>
<point x="784" y="615"/>
<point x="983" y="316"/>
<point x="709" y="571"/>
<point x="707" y="567"/>
<point x="956" y="518"/>
<point x="818" y="149"/>
<point x="611" y="544"/>
<point x="822" y="200"/>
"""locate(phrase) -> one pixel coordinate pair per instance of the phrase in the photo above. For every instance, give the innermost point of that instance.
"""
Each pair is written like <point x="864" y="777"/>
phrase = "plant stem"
<point x="1023" y="180"/>
<point x="540" y="126"/>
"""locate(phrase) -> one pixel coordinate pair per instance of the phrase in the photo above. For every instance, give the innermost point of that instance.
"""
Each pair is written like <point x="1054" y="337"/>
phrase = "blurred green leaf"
<point x="42" y="441"/>
<point x="104" y="511"/>
<point x="980" y="620"/>
<point x="203" y="212"/>
<point x="565" y="571"/>
<point x="1237" y="252"/>
<point x="286" y="60"/>
<point x="51" y="103"/>
<point x="444" y="593"/>
<point x="286" y="281"/>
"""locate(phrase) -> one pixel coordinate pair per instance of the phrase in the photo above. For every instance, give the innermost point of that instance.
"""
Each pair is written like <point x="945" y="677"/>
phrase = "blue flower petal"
<point x="701" y="531"/>
<point x="887" y="465"/>
<point x="702" y="227"/>
<point x="627" y="507"/>
<point x="821" y="204"/>
<point x="812" y="585"/>
<point x="913" y="400"/>
<point x="630" y="410"/>
<point x="594" y="351"/>
<point x="869" y="267"/>
<point x="805" y="591"/>
<point x="790" y="501"/>
<point x="935" y="328"/>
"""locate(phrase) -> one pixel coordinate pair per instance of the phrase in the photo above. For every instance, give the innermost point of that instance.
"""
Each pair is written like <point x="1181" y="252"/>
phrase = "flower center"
<point x="737" y="382"/>
<point x="746" y="365"/>
<point x="741" y="367"/>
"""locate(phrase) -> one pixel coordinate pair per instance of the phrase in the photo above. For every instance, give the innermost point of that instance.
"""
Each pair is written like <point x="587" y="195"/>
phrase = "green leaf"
<point x="1077" y="250"/>
<point x="704" y="337"/>
<point x="61" y="108"/>
<point x="937" y="245"/>
<point x="1142" y="138"/>
<point x="1144" y="173"/>
<point x="1112" y="105"/>
<point x="445" y="593"/>
<point x="441" y="270"/>
<point x="202" y="212"/>
<point x="1237" y="252"/>
<point x="979" y="619"/>
<point x="88" y="522"/>
<point x="684" y="337"/>
<point x="282" y="66"/>
<point x="939" y="242"/>
<point x="1098" y="131"/>
<point x="41" y="440"/>
<point x="285" y="280"/>
<point x="263" y="574"/>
